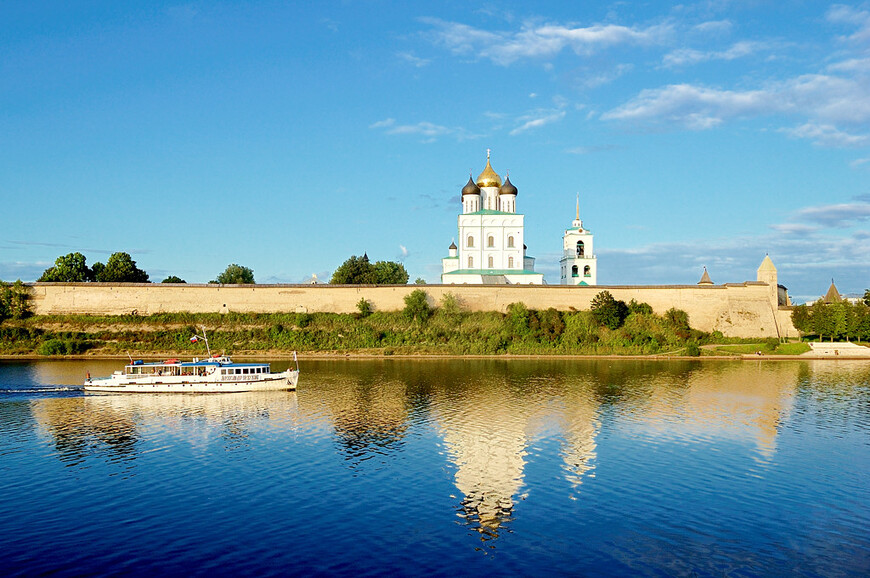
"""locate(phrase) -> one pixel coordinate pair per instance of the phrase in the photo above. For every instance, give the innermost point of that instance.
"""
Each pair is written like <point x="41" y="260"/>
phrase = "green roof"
<point x="489" y="212"/>
<point x="492" y="272"/>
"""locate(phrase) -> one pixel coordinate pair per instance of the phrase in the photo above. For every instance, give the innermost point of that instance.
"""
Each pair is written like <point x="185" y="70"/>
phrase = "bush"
<point x="692" y="349"/>
<point x="64" y="346"/>
<point x="417" y="306"/>
<point x="450" y="307"/>
<point x="364" y="307"/>
<point x="14" y="300"/>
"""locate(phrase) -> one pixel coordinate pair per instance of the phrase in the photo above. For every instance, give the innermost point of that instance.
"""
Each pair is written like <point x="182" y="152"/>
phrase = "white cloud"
<point x="828" y="135"/>
<point x="414" y="60"/>
<point x="826" y="100"/>
<point x="429" y="130"/>
<point x="859" y="162"/>
<point x="585" y="150"/>
<point x="839" y="215"/>
<point x="695" y="106"/>
<point x="689" y="56"/>
<point x="541" y="41"/>
<point x="805" y="261"/>
<point x="714" y="27"/>
<point x="538" y="119"/>
<point x="841" y="14"/>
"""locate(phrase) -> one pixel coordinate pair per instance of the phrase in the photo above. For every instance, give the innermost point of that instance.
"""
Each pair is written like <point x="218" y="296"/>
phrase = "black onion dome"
<point x="471" y="188"/>
<point x="507" y="188"/>
<point x="452" y="245"/>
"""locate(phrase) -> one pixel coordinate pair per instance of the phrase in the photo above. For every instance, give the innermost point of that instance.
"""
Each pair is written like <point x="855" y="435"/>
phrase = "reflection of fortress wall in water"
<point x="750" y="309"/>
<point x="369" y="415"/>
<point x="738" y="399"/>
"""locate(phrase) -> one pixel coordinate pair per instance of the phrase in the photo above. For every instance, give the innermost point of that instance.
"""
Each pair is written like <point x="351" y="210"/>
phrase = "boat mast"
<point x="207" y="348"/>
<point x="204" y="337"/>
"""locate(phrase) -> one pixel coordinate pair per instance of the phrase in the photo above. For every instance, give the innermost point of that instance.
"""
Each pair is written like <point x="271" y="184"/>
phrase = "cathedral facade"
<point x="491" y="246"/>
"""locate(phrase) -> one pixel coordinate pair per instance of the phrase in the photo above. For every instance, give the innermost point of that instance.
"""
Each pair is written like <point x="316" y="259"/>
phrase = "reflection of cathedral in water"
<point x="488" y="431"/>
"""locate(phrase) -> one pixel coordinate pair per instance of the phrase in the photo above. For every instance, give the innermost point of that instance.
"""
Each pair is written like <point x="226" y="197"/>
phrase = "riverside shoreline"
<point x="332" y="355"/>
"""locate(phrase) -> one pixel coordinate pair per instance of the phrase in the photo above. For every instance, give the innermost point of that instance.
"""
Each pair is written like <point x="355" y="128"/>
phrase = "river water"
<point x="444" y="467"/>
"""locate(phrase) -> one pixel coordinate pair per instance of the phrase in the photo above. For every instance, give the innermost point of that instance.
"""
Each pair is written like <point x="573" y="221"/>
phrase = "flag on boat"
<point x="194" y="339"/>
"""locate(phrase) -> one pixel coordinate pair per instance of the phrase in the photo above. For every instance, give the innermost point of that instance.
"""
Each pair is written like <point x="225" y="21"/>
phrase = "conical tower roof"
<point x="705" y="278"/>
<point x="767" y="265"/>
<point x="832" y="296"/>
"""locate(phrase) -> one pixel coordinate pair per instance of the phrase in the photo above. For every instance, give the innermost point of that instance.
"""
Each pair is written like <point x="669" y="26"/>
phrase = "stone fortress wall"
<point x="736" y="309"/>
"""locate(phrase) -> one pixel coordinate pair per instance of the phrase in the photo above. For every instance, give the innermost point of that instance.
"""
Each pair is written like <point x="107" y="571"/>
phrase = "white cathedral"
<point x="491" y="248"/>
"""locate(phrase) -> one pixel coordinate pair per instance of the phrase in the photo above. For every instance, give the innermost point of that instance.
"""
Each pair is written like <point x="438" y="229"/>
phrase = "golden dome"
<point x="488" y="178"/>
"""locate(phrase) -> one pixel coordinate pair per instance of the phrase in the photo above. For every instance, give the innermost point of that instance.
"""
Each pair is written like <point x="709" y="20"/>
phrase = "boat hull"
<point x="151" y="384"/>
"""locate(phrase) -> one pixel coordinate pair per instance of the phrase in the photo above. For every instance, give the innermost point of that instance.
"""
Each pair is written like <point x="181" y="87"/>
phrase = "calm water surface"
<point x="444" y="468"/>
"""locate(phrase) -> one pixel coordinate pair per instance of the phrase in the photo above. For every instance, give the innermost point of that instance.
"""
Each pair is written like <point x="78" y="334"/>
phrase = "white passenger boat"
<point x="215" y="374"/>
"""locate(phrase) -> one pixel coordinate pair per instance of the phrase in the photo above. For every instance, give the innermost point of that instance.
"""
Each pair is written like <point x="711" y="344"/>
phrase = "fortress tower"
<point x="579" y="266"/>
<point x="491" y="248"/>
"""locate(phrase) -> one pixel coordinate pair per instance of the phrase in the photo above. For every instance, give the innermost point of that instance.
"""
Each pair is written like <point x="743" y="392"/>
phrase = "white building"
<point x="578" y="263"/>
<point x="491" y="248"/>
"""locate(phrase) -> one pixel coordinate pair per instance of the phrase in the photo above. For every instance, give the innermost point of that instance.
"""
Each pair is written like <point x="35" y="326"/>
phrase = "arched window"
<point x="471" y="262"/>
<point x="587" y="271"/>
<point x="511" y="242"/>
<point x="510" y="262"/>
<point x="574" y="271"/>
<point x="470" y="242"/>
<point x="580" y="249"/>
<point x="489" y="262"/>
<point x="490" y="241"/>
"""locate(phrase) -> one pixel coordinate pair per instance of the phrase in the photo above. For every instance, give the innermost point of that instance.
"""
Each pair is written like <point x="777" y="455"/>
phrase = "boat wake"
<point x="37" y="390"/>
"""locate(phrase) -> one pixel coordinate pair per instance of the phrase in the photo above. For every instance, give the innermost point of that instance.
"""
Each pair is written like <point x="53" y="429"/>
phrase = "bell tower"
<point x="579" y="265"/>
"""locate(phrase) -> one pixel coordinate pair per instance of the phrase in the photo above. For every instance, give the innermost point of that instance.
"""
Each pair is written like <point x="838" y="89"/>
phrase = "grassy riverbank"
<point x="520" y="332"/>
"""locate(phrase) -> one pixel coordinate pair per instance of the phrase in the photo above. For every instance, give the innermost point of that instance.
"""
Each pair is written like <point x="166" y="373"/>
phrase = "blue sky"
<point x="288" y="136"/>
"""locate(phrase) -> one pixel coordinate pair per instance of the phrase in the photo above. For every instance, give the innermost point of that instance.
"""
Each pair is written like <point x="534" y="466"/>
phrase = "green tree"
<point x="14" y="300"/>
<point x="417" y="306"/>
<point x="518" y="319"/>
<point x="390" y="273"/>
<point x="69" y="268"/>
<point x="355" y="271"/>
<point x="801" y="318"/>
<point x="823" y="321"/>
<point x="235" y="275"/>
<point x="173" y="279"/>
<point x="97" y="270"/>
<point x="839" y="320"/>
<point x="121" y="268"/>
<point x="419" y="281"/>
<point x="608" y="311"/>
<point x="867" y="297"/>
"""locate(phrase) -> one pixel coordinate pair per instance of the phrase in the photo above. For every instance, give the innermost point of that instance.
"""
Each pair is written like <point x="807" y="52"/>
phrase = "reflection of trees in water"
<point x="78" y="432"/>
<point x="369" y="413"/>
